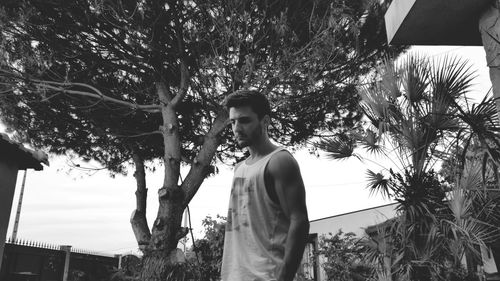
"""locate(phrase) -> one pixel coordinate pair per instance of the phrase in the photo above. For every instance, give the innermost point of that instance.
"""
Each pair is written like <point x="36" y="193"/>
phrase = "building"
<point x="444" y="22"/>
<point x="365" y="223"/>
<point x="355" y="222"/>
<point x="13" y="157"/>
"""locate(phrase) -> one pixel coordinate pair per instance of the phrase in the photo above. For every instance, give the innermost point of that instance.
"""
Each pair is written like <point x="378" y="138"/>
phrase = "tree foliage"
<point x="311" y="53"/>
<point x="207" y="252"/>
<point x="343" y="256"/>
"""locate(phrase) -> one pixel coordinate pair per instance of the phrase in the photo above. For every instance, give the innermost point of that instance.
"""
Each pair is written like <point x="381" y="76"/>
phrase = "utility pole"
<point x="19" y="204"/>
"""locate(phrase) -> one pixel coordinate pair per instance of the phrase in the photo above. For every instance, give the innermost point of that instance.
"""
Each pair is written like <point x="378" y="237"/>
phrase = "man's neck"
<point x="261" y="149"/>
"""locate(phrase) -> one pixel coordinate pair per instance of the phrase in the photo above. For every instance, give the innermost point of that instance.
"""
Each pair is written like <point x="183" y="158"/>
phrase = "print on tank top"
<point x="241" y="191"/>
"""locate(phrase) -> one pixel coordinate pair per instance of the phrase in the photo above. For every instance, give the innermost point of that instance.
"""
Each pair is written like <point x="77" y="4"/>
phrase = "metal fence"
<point x="38" y="261"/>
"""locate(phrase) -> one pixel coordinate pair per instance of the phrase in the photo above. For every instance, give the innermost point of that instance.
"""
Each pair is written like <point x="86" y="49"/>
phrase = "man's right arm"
<point x="287" y="182"/>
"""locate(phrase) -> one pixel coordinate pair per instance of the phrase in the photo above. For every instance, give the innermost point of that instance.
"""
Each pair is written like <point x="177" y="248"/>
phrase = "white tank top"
<point x="256" y="228"/>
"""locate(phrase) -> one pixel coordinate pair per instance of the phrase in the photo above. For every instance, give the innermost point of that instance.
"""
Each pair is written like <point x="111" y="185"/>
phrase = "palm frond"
<point x="472" y="176"/>
<point x="459" y="204"/>
<point x="338" y="147"/>
<point x="482" y="117"/>
<point x="371" y="142"/>
<point x="483" y="122"/>
<point x="416" y="78"/>
<point x="378" y="183"/>
<point x="441" y="114"/>
<point x="374" y="104"/>
<point x="451" y="77"/>
<point x="390" y="84"/>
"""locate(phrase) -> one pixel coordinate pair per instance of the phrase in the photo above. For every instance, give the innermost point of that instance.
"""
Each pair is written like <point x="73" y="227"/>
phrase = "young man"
<point x="267" y="224"/>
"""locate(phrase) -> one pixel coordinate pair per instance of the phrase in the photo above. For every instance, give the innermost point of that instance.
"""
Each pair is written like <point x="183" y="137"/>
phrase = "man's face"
<point x="246" y="125"/>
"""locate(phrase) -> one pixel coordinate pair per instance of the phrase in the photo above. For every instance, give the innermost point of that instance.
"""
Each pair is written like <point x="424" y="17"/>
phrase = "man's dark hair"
<point x="257" y="101"/>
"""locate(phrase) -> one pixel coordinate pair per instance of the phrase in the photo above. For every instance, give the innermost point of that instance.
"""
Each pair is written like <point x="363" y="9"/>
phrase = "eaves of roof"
<point x="24" y="157"/>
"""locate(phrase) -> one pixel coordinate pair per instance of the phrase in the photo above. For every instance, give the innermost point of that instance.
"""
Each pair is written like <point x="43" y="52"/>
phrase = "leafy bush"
<point x="343" y="255"/>
<point x="207" y="253"/>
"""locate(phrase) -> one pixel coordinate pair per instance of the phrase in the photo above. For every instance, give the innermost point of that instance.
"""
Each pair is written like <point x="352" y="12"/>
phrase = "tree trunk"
<point x="161" y="257"/>
<point x="161" y="260"/>
<point x="155" y="267"/>
<point x="165" y="267"/>
<point x="138" y="219"/>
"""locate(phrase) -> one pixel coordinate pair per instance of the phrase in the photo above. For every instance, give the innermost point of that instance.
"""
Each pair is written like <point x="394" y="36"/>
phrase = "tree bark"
<point x="138" y="219"/>
<point x="199" y="168"/>
<point x="165" y="267"/>
<point x="160" y="254"/>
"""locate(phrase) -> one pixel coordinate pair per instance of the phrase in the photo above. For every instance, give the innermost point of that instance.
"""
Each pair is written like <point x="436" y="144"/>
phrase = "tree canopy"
<point x="122" y="81"/>
<point x="305" y="55"/>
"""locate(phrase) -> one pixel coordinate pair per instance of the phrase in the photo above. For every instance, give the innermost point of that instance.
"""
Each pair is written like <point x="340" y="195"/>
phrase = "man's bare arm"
<point x="286" y="179"/>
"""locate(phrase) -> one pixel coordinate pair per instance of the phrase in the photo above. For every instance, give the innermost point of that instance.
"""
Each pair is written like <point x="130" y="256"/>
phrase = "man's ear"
<point x="267" y="120"/>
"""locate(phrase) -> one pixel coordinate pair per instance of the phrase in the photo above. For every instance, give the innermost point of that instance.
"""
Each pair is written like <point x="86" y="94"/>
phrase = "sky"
<point x="92" y="212"/>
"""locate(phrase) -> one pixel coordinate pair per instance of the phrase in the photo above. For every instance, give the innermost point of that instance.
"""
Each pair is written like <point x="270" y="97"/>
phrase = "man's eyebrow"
<point x="240" y="118"/>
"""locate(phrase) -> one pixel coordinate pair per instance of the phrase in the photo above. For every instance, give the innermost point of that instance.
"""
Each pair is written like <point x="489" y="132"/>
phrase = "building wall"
<point x="8" y="177"/>
<point x="355" y="222"/>
<point x="358" y="221"/>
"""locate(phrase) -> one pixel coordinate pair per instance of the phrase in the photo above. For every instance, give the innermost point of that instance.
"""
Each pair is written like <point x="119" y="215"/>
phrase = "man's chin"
<point x="242" y="144"/>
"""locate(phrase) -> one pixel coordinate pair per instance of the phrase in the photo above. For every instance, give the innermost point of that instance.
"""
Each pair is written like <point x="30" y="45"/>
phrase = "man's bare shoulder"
<point x="282" y="162"/>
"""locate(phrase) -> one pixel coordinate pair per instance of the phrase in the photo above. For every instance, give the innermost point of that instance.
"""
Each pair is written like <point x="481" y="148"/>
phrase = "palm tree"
<point x="417" y="112"/>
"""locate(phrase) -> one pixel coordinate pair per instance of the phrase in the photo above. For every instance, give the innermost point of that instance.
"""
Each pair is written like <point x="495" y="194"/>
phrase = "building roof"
<point x="353" y="212"/>
<point x="435" y="22"/>
<point x="26" y="158"/>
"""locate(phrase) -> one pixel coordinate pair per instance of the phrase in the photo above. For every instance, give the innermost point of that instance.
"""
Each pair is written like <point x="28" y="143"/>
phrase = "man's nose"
<point x="236" y="126"/>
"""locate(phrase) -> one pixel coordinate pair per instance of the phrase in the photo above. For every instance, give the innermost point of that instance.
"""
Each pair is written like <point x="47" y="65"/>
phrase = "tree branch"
<point x="163" y="93"/>
<point x="139" y="135"/>
<point x="183" y="86"/>
<point x="184" y="70"/>
<point x="200" y="167"/>
<point x="148" y="108"/>
<point x="62" y="87"/>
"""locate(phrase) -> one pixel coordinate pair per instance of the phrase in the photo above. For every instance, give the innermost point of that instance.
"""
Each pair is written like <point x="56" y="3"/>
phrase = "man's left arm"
<point x="287" y="180"/>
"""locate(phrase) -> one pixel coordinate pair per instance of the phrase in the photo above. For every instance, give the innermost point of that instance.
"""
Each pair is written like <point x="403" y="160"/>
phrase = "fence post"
<point x="67" y="250"/>
<point x="119" y="260"/>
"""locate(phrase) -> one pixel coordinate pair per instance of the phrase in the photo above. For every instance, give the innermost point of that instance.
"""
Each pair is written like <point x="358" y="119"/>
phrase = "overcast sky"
<point x="92" y="212"/>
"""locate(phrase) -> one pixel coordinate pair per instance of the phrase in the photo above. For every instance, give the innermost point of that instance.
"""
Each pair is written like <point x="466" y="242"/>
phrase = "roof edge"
<point x="27" y="158"/>
<point x="352" y="212"/>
